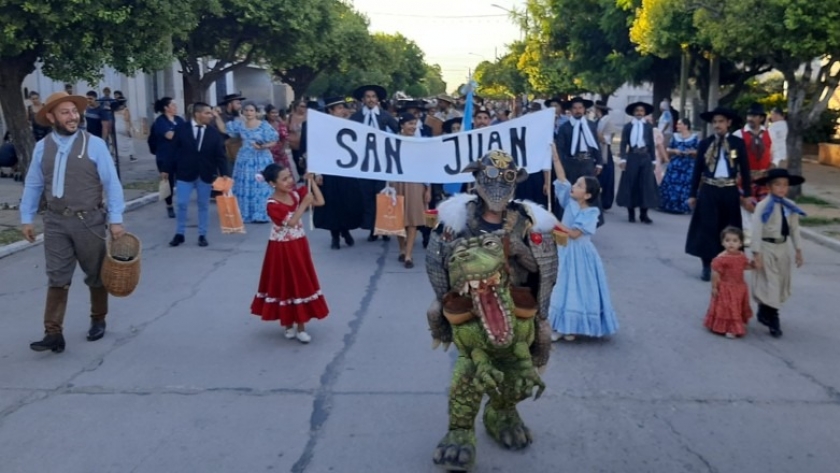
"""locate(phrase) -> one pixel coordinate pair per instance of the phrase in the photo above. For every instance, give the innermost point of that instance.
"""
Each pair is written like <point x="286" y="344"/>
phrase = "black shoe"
<point x="631" y="215"/>
<point x="202" y="241"/>
<point x="335" y="245"/>
<point x="706" y="275"/>
<point x="171" y="212"/>
<point x="97" y="331"/>
<point x="646" y="219"/>
<point x="348" y="238"/>
<point x="776" y="332"/>
<point x="53" y="342"/>
<point x="386" y="238"/>
<point x="372" y="237"/>
<point x="177" y="240"/>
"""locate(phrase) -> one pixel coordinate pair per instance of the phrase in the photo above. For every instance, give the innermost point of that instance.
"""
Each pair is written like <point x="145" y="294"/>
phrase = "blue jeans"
<point x="183" y="191"/>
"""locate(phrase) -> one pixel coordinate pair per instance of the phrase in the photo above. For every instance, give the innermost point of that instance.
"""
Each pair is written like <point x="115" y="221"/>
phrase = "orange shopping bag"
<point x="229" y="216"/>
<point x="390" y="213"/>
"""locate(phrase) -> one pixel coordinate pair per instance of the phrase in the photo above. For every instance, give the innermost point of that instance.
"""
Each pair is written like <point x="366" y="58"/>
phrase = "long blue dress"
<point x="580" y="301"/>
<point x="250" y="193"/>
<point x="676" y="185"/>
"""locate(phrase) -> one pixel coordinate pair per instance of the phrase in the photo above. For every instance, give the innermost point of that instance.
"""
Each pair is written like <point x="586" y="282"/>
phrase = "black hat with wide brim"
<point x="231" y="97"/>
<point x="777" y="173"/>
<point x="586" y="103"/>
<point x="405" y="105"/>
<point x="631" y="109"/>
<point x="756" y="109"/>
<point x="722" y="111"/>
<point x="550" y="102"/>
<point x="447" y="125"/>
<point x="359" y="94"/>
<point x="333" y="101"/>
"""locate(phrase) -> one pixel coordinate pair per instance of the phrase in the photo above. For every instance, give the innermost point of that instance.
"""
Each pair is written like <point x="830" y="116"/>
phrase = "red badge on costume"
<point x="536" y="238"/>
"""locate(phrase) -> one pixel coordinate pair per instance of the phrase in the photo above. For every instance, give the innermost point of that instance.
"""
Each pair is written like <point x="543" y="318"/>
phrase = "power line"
<point x="435" y="16"/>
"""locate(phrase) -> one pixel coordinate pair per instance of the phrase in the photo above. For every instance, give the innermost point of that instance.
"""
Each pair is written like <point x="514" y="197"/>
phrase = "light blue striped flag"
<point x="466" y="125"/>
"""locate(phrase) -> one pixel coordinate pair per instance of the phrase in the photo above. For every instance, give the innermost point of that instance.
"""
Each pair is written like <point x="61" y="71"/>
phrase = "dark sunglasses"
<point x="508" y="175"/>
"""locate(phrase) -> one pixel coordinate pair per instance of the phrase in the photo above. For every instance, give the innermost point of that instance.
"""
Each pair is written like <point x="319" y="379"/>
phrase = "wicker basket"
<point x="121" y="268"/>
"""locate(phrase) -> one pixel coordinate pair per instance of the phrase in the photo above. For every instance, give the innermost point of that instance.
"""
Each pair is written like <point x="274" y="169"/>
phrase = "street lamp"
<point x="514" y="14"/>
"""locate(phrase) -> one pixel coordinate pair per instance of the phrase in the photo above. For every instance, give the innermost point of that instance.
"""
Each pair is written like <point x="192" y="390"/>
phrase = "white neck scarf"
<point x="370" y="116"/>
<point x="637" y="134"/>
<point x="579" y="126"/>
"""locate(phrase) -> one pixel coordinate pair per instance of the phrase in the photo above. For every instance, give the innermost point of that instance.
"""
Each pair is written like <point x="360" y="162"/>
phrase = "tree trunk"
<point x="663" y="85"/>
<point x="195" y="90"/>
<point x="714" y="86"/>
<point x="12" y="73"/>
<point x="796" y="125"/>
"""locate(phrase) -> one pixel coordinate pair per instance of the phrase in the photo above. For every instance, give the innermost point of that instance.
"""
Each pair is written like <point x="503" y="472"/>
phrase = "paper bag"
<point x="165" y="191"/>
<point x="229" y="216"/>
<point x="223" y="184"/>
<point x="390" y="214"/>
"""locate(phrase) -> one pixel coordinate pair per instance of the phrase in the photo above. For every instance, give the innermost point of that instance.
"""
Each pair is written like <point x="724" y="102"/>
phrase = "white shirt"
<point x="778" y="141"/>
<point x="580" y="126"/>
<point x="370" y="116"/>
<point x="722" y="169"/>
<point x="637" y="133"/>
<point x="195" y="128"/>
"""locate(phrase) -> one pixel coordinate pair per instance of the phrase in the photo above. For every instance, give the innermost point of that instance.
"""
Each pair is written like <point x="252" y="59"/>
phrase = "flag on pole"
<point x="466" y="125"/>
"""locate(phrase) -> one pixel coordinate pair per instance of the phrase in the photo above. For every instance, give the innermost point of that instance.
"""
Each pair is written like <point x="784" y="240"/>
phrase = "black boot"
<point x="335" y="245"/>
<point x="372" y="237"/>
<point x="54" y="342"/>
<point x="631" y="215"/>
<point x="761" y="316"/>
<point x="97" y="330"/>
<point x="775" y="324"/>
<point x="348" y="238"/>
<point x="706" y="274"/>
<point x="643" y="216"/>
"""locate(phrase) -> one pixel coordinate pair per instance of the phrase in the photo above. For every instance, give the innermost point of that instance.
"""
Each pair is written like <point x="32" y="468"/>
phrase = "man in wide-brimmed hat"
<point x="559" y="112"/>
<point x="446" y="108"/>
<point x="71" y="168"/>
<point x="721" y="161"/>
<point x="344" y="205"/>
<point x="577" y="144"/>
<point x="372" y="115"/>
<point x="759" y="154"/>
<point x="637" y="187"/>
<point x="776" y="220"/>
<point x="417" y="108"/>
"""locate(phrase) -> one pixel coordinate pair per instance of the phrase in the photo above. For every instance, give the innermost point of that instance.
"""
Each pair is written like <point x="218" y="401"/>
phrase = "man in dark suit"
<point x="637" y="187"/>
<point x="578" y="146"/>
<point x="714" y="195"/>
<point x="198" y="159"/>
<point x="372" y="115"/>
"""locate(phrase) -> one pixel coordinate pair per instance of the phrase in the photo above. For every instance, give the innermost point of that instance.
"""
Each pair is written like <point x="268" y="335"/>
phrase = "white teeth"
<point x="474" y="284"/>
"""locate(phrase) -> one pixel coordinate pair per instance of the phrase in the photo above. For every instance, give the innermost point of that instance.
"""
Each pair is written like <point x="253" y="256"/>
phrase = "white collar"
<point x="368" y="111"/>
<point x="196" y="124"/>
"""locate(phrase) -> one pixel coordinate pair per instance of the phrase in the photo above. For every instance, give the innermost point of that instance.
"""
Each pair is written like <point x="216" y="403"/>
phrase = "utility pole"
<point x="684" y="81"/>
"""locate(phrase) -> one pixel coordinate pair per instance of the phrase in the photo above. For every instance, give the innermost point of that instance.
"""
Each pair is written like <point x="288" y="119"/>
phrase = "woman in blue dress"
<point x="676" y="185"/>
<point x="162" y="146"/>
<point x="257" y="139"/>
<point x="580" y="302"/>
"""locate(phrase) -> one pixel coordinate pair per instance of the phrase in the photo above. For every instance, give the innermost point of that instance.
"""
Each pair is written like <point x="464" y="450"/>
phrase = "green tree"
<point x="502" y="79"/>
<point x="74" y="39"/>
<point x="341" y="45"/>
<point x="234" y="34"/>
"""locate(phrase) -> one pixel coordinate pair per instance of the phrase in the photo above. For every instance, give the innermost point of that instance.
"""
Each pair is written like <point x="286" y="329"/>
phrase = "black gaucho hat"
<point x="447" y="125"/>
<point x="722" y="111"/>
<point x="602" y="106"/>
<point x="231" y="97"/>
<point x="359" y="93"/>
<point x="586" y="103"/>
<point x="483" y="110"/>
<point x="631" y="109"/>
<point x="777" y="173"/>
<point x="405" y="105"/>
<point x="756" y="109"/>
<point x="555" y="100"/>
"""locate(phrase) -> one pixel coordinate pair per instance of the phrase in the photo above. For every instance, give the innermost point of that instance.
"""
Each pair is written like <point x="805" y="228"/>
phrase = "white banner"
<point x="340" y="147"/>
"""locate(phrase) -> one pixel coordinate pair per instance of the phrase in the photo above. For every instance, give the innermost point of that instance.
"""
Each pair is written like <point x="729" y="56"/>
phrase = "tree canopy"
<point x="74" y="39"/>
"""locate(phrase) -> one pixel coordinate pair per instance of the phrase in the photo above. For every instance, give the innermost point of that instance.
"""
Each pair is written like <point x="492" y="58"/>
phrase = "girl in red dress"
<point x="729" y="310"/>
<point x="289" y="289"/>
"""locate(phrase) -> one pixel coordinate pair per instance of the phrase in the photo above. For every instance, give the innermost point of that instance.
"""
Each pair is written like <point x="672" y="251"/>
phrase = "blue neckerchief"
<point x="64" y="143"/>
<point x="786" y="204"/>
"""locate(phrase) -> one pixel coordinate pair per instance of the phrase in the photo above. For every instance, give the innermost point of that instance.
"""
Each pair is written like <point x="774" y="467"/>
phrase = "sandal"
<point x="409" y="264"/>
<point x="401" y="259"/>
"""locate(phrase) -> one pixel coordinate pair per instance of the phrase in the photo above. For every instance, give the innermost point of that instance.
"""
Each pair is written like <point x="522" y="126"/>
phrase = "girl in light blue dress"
<point x="258" y="137"/>
<point x="580" y="301"/>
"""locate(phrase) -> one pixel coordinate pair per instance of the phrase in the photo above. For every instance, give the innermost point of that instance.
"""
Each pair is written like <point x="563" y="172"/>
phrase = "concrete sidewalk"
<point x="140" y="180"/>
<point x="821" y="201"/>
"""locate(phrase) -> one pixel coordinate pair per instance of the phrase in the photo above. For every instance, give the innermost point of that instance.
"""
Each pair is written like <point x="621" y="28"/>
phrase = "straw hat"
<point x="55" y="99"/>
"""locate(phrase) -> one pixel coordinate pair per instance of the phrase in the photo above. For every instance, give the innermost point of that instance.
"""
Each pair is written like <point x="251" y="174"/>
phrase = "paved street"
<point x="187" y="381"/>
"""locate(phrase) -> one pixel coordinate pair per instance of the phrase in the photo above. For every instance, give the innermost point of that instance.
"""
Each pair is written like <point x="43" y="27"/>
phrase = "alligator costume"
<point x="492" y="284"/>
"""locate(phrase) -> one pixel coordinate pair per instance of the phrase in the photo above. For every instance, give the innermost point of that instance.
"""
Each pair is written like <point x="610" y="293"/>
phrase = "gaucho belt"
<point x="581" y="156"/>
<point x="758" y="174"/>
<point x="642" y="150"/>
<point x="67" y="211"/>
<point x="720" y="182"/>
<point x="777" y="241"/>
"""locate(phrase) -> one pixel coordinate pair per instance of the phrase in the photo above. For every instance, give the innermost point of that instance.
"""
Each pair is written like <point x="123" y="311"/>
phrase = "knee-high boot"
<point x="98" y="311"/>
<point x="54" y="311"/>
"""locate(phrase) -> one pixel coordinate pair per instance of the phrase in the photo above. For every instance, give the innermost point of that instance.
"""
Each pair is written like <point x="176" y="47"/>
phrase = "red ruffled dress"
<point x="730" y="311"/>
<point x="288" y="289"/>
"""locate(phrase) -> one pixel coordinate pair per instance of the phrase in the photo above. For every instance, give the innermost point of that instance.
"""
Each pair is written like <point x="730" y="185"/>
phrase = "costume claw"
<point x="446" y="346"/>
<point x="435" y="344"/>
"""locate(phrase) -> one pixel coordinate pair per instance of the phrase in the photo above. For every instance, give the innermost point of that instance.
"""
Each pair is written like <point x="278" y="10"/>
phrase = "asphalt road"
<point x="187" y="381"/>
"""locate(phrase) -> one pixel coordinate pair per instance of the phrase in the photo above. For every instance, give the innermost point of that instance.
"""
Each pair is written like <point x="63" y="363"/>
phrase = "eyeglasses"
<point x="508" y="175"/>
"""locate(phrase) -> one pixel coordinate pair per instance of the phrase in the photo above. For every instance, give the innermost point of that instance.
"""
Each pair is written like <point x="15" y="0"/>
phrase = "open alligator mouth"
<point x="490" y="308"/>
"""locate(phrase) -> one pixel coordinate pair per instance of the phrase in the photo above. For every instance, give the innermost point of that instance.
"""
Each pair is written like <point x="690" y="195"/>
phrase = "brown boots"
<point x="55" y="309"/>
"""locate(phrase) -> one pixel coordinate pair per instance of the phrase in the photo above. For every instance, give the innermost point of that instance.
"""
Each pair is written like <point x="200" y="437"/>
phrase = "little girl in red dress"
<point x="289" y="289"/>
<point x="729" y="310"/>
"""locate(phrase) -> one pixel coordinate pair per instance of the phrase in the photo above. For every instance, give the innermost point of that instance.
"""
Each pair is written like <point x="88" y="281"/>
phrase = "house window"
<point x="221" y="90"/>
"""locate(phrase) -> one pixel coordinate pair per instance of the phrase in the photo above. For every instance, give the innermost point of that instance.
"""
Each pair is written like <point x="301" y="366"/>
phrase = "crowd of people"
<point x="721" y="180"/>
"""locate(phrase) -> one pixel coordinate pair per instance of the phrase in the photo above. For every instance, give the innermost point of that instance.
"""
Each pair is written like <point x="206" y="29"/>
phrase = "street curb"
<point x="820" y="239"/>
<point x="18" y="246"/>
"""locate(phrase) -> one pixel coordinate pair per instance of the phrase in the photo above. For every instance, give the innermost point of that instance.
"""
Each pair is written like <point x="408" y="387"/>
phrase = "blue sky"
<point x="457" y="34"/>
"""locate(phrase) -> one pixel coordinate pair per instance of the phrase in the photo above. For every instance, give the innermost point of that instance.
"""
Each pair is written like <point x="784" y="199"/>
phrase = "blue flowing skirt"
<point x="251" y="195"/>
<point x="676" y="186"/>
<point x="580" y="301"/>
